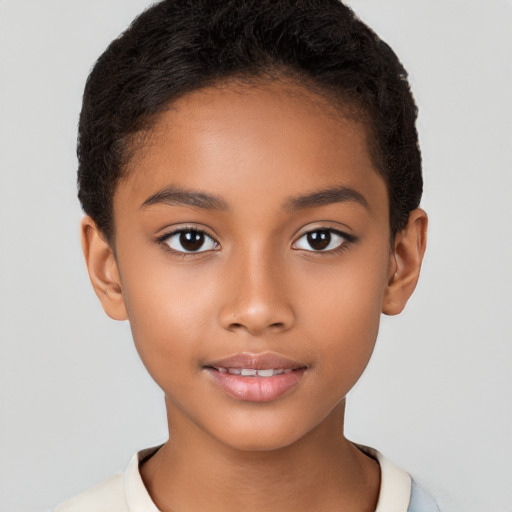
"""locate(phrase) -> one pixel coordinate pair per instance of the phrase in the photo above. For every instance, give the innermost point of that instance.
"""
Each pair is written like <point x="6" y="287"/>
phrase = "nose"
<point x="256" y="296"/>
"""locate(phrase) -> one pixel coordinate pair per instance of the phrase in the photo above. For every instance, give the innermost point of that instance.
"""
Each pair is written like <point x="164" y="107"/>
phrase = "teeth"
<point x="266" y="373"/>
<point x="252" y="372"/>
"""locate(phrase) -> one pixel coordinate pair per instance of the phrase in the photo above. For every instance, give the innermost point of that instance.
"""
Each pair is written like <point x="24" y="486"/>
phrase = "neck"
<point x="321" y="471"/>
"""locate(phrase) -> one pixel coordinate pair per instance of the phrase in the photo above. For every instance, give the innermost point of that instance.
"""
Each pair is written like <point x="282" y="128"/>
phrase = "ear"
<point x="103" y="271"/>
<point x="405" y="263"/>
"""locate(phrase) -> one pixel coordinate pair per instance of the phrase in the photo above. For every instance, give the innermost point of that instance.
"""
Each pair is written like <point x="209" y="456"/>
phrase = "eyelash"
<point x="162" y="240"/>
<point x="347" y="240"/>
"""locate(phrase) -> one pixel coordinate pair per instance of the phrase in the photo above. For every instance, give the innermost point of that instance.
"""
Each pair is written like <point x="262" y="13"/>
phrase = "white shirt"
<point x="125" y="492"/>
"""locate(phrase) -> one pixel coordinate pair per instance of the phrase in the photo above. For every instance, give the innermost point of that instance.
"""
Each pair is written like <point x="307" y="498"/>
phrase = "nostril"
<point x="276" y="325"/>
<point x="255" y="320"/>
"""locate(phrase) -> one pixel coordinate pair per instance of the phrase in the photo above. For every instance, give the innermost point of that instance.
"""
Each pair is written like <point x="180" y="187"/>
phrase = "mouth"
<point x="253" y="372"/>
<point x="256" y="377"/>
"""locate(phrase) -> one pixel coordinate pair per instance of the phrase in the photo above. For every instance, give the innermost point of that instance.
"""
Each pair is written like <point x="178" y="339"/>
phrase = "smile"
<point x="253" y="372"/>
<point x="256" y="377"/>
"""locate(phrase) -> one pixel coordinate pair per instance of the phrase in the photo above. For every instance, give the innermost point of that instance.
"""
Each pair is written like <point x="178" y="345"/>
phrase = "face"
<point x="253" y="259"/>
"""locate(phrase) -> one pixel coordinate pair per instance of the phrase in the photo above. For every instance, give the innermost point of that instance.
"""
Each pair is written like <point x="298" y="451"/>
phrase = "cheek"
<point x="348" y="295"/>
<point x="169" y="308"/>
<point x="346" y="314"/>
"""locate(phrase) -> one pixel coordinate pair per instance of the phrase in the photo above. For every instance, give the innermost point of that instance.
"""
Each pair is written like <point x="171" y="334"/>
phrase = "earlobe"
<point x="405" y="264"/>
<point x="103" y="271"/>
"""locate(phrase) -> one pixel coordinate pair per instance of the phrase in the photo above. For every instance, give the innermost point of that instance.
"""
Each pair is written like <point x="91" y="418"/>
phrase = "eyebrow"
<point x="174" y="195"/>
<point x="326" y="196"/>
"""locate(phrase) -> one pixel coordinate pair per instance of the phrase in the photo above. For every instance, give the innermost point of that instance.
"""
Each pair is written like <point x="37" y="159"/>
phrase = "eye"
<point x="322" y="240"/>
<point x="189" y="240"/>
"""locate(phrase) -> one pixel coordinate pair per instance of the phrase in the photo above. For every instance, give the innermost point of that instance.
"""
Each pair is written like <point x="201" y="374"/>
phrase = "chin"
<point x="258" y="442"/>
<point x="259" y="435"/>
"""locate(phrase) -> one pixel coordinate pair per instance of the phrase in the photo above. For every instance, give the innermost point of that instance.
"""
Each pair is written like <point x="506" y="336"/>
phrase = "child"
<point x="251" y="178"/>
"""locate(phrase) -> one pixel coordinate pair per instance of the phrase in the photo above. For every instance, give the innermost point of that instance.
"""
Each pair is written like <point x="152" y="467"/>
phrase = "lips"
<point x="256" y="377"/>
<point x="252" y="372"/>
<point x="263" y="361"/>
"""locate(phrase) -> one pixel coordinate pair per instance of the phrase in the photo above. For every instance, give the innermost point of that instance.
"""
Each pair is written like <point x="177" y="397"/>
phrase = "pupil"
<point x="191" y="240"/>
<point x="319" y="240"/>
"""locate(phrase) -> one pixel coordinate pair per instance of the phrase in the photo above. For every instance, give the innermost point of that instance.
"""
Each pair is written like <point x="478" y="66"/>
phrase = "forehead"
<point x="239" y="140"/>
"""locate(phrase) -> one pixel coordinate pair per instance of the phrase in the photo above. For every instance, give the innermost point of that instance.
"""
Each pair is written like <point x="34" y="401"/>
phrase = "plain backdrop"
<point x="76" y="402"/>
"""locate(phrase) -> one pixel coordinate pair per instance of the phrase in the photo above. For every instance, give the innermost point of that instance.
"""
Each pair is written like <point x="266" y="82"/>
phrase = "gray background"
<point x="75" y="401"/>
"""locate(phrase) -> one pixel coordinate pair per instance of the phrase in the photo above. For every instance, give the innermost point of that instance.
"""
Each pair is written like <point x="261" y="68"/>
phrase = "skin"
<point x="258" y="287"/>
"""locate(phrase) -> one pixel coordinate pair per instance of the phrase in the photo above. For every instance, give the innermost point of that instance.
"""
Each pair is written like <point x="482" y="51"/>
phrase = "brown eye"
<point x="322" y="240"/>
<point x="319" y="240"/>
<point x="190" y="240"/>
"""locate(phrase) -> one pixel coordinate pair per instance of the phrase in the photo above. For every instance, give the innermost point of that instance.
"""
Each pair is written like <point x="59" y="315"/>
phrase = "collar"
<point x="137" y="495"/>
<point x="395" y="483"/>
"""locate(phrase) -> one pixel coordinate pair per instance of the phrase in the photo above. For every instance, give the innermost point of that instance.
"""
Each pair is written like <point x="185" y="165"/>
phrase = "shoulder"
<point x="123" y="492"/>
<point x="421" y="500"/>
<point x="108" y="496"/>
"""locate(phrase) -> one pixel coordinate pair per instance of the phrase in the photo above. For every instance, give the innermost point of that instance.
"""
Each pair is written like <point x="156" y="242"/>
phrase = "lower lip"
<point x="256" y="389"/>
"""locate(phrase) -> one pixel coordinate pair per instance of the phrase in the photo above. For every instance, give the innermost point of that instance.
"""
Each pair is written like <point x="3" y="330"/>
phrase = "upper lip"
<point x="261" y="361"/>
